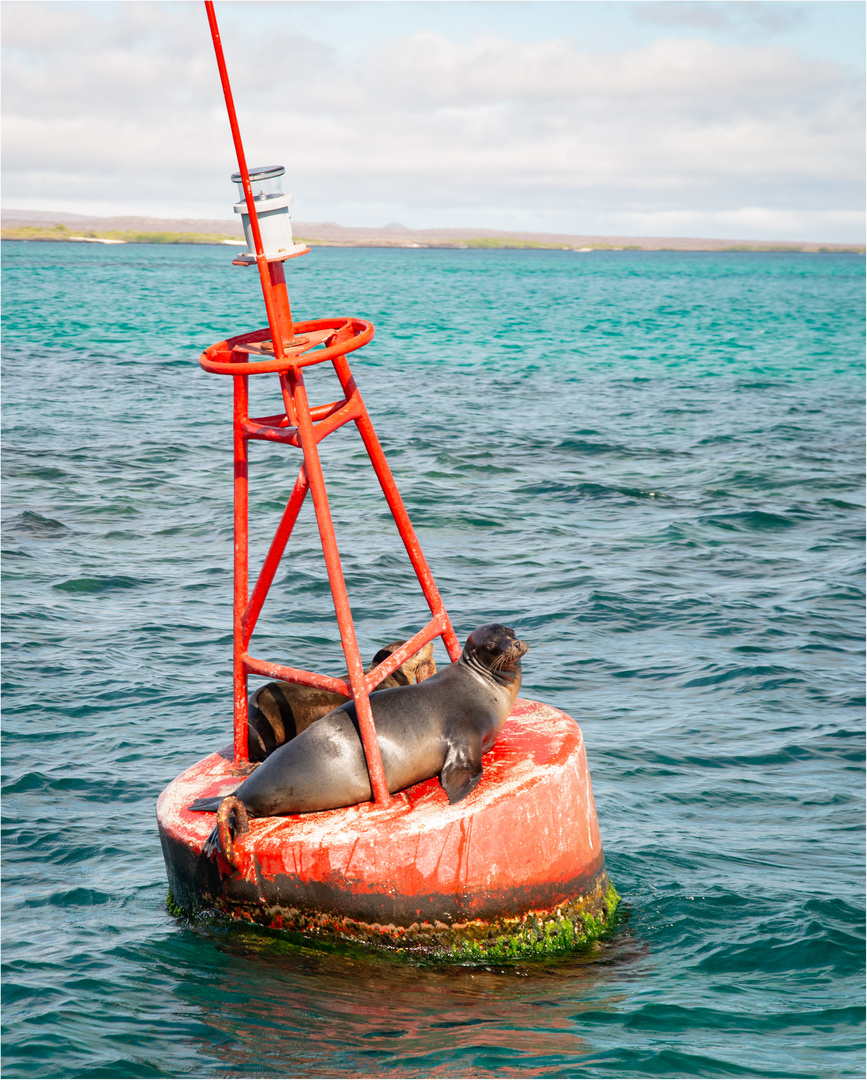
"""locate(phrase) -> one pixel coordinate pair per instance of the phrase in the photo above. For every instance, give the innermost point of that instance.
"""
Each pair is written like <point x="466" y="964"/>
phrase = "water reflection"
<point x="281" y="1008"/>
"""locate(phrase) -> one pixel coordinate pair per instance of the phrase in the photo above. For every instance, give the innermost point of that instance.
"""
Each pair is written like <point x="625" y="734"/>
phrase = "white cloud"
<point x="434" y="128"/>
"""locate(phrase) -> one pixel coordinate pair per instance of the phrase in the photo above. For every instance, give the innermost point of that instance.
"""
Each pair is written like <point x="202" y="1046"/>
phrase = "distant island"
<point x="78" y="228"/>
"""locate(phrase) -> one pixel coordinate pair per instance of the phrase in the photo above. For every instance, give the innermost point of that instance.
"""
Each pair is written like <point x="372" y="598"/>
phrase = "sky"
<point x="730" y="120"/>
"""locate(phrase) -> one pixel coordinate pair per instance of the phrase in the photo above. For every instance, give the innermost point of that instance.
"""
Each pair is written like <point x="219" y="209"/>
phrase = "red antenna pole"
<point x="277" y="331"/>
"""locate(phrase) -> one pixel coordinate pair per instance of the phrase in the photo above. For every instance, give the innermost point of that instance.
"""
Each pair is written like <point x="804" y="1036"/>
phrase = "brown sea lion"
<point x="278" y="711"/>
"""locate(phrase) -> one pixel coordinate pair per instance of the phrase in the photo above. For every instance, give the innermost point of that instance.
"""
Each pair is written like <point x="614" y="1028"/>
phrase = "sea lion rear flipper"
<point x="212" y="844"/>
<point x="207" y="806"/>
<point x="232" y="822"/>
<point x="462" y="770"/>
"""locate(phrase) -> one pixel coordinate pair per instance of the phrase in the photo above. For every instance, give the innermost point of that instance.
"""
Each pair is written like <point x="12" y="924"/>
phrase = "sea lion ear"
<point x="461" y="771"/>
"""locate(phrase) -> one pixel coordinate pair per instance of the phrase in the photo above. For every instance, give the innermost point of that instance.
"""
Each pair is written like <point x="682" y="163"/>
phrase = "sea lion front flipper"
<point x="462" y="770"/>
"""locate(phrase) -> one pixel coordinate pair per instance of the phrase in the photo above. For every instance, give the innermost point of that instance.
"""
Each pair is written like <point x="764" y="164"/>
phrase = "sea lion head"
<point x="416" y="669"/>
<point x="495" y="647"/>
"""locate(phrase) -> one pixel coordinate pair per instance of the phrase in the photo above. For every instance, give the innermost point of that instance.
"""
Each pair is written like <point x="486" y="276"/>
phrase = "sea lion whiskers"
<point x="507" y="660"/>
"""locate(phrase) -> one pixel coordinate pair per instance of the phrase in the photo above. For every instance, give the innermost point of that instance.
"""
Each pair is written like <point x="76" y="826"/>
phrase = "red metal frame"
<point x="285" y="349"/>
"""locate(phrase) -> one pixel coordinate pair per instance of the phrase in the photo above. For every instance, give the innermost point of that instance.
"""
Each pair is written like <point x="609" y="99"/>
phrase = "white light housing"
<point x="272" y="210"/>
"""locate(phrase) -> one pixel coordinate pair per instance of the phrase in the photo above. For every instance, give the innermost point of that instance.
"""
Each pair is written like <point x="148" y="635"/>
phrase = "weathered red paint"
<point x="527" y="837"/>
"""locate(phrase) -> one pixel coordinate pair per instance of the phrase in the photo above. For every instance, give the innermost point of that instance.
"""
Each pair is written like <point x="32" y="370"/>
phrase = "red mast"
<point x="284" y="349"/>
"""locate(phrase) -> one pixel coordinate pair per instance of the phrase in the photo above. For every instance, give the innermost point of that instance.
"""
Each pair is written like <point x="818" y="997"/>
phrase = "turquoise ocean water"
<point x="649" y="464"/>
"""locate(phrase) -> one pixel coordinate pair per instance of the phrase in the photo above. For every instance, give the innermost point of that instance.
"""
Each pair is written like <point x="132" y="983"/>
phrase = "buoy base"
<point x="571" y="926"/>
<point x="515" y="869"/>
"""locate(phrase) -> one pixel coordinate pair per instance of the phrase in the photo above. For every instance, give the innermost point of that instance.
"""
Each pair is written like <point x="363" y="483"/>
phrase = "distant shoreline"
<point x="59" y="227"/>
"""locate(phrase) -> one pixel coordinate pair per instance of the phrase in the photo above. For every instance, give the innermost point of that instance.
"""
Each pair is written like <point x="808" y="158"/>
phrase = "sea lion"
<point x="278" y="711"/>
<point x="441" y="726"/>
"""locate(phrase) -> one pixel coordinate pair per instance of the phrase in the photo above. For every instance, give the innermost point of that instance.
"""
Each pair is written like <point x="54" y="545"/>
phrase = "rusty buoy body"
<point x="516" y="868"/>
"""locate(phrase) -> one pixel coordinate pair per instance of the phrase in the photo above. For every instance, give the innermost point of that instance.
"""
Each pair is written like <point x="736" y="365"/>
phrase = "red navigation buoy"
<point x="514" y="868"/>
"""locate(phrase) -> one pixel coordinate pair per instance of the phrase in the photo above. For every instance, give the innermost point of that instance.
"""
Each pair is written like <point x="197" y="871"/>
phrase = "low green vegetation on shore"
<point x="504" y="242"/>
<point x="63" y="232"/>
<point x="507" y="243"/>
